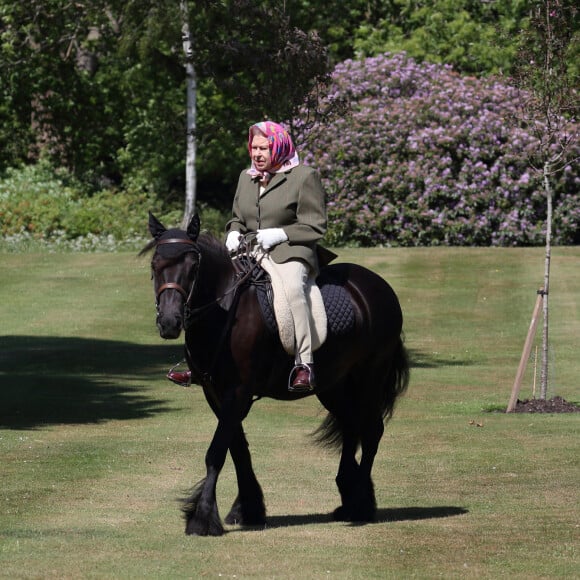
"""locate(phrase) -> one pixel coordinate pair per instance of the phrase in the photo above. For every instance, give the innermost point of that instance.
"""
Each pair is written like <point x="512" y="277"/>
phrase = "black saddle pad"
<point x="337" y="302"/>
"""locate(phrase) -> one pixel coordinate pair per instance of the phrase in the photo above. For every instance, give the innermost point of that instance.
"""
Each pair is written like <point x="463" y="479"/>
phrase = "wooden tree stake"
<point x="526" y="352"/>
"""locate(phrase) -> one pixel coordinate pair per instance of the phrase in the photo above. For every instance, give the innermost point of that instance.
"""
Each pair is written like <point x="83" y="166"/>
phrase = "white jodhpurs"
<point x="295" y="274"/>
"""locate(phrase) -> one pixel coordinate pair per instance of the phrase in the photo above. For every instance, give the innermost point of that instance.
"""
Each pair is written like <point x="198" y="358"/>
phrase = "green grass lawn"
<point x="96" y="446"/>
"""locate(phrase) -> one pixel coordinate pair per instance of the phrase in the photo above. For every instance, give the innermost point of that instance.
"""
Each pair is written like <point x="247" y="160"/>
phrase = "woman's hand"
<point x="233" y="241"/>
<point x="270" y="237"/>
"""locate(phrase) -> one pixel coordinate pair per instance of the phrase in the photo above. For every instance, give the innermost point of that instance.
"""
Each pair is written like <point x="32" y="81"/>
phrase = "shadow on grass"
<point x="383" y="516"/>
<point x="424" y="360"/>
<point x="53" y="380"/>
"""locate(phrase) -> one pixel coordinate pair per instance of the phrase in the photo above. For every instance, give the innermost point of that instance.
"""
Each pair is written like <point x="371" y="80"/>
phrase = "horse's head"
<point x="174" y="268"/>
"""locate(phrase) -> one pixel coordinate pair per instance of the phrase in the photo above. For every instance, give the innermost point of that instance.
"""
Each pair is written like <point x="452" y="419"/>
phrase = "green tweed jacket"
<point x="295" y="201"/>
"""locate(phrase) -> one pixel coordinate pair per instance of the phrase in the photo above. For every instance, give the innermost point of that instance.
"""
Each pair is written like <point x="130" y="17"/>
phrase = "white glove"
<point x="233" y="241"/>
<point x="270" y="237"/>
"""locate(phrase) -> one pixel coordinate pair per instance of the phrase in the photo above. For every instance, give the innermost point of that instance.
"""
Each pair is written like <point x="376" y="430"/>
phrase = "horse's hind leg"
<point x="248" y="508"/>
<point x="366" y="500"/>
<point x="346" y="478"/>
<point x="358" y="419"/>
<point x="354" y="479"/>
<point x="341" y="427"/>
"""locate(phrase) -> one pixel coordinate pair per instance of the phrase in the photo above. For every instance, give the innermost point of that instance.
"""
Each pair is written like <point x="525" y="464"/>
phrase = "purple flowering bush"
<point x="429" y="157"/>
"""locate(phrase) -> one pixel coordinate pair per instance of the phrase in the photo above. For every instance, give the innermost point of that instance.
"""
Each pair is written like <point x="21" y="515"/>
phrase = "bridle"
<point x="174" y="285"/>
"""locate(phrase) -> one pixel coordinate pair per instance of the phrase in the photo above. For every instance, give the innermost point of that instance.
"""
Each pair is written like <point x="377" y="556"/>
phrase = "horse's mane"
<point x="209" y="243"/>
<point x="148" y="247"/>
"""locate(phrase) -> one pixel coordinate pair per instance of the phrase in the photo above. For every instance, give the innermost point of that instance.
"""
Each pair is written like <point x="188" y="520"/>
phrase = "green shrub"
<point x="116" y="213"/>
<point x="39" y="204"/>
<point x="34" y="199"/>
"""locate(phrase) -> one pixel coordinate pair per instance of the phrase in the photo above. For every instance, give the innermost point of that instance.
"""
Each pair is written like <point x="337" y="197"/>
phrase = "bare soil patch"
<point x="555" y="405"/>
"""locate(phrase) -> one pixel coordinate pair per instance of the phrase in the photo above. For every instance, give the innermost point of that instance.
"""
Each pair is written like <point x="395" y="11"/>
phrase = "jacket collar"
<point x="275" y="182"/>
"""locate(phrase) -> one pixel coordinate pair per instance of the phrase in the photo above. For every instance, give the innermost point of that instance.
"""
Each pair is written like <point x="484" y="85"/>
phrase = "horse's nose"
<point x="169" y="326"/>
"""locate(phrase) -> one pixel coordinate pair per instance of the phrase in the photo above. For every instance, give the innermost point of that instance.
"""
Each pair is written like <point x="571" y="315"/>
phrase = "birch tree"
<point x="191" y="117"/>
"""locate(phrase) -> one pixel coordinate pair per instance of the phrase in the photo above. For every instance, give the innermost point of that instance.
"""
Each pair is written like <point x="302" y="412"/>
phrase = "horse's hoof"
<point x="251" y="513"/>
<point x="342" y="514"/>
<point x="197" y="528"/>
<point x="235" y="518"/>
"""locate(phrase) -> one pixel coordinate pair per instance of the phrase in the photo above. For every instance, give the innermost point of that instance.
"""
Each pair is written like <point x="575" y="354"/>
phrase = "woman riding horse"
<point x="284" y="202"/>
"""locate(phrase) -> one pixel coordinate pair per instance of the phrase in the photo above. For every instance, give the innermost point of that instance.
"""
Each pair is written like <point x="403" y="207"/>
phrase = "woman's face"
<point x="261" y="153"/>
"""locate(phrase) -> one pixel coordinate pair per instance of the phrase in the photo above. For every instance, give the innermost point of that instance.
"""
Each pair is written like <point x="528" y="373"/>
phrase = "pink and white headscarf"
<point x="282" y="150"/>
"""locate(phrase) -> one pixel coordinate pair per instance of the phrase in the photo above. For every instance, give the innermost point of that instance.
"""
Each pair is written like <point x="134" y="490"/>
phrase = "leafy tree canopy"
<point x="103" y="83"/>
<point x="99" y="87"/>
<point x="473" y="36"/>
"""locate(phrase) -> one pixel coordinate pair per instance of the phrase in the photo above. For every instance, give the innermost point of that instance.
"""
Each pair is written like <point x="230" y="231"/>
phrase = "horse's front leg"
<point x="248" y="508"/>
<point x="201" y="511"/>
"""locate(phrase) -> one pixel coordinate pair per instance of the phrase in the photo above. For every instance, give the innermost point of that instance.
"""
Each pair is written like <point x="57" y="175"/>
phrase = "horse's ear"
<point x="193" y="227"/>
<point x="156" y="228"/>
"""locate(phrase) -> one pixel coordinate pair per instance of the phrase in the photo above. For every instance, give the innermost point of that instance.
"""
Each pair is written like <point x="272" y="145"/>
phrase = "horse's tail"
<point x="330" y="432"/>
<point x="397" y="379"/>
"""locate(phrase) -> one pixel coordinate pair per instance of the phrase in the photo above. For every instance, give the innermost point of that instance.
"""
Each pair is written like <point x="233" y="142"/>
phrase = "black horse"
<point x="236" y="358"/>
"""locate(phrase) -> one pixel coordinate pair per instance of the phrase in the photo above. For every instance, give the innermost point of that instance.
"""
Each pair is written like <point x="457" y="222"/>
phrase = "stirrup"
<point x="301" y="388"/>
<point x="182" y="383"/>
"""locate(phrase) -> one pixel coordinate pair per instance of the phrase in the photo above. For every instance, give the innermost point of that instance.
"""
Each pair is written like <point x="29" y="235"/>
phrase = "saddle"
<point x="336" y="309"/>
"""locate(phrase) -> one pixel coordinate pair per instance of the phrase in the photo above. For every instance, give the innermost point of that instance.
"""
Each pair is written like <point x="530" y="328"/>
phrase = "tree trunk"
<point x="545" y="349"/>
<point x="191" y="89"/>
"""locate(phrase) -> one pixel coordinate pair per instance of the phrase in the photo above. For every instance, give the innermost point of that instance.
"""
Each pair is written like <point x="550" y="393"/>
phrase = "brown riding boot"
<point x="181" y="378"/>
<point x="303" y="381"/>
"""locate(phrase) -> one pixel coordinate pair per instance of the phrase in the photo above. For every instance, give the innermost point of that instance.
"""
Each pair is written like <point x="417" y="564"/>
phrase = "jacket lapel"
<point x="275" y="182"/>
